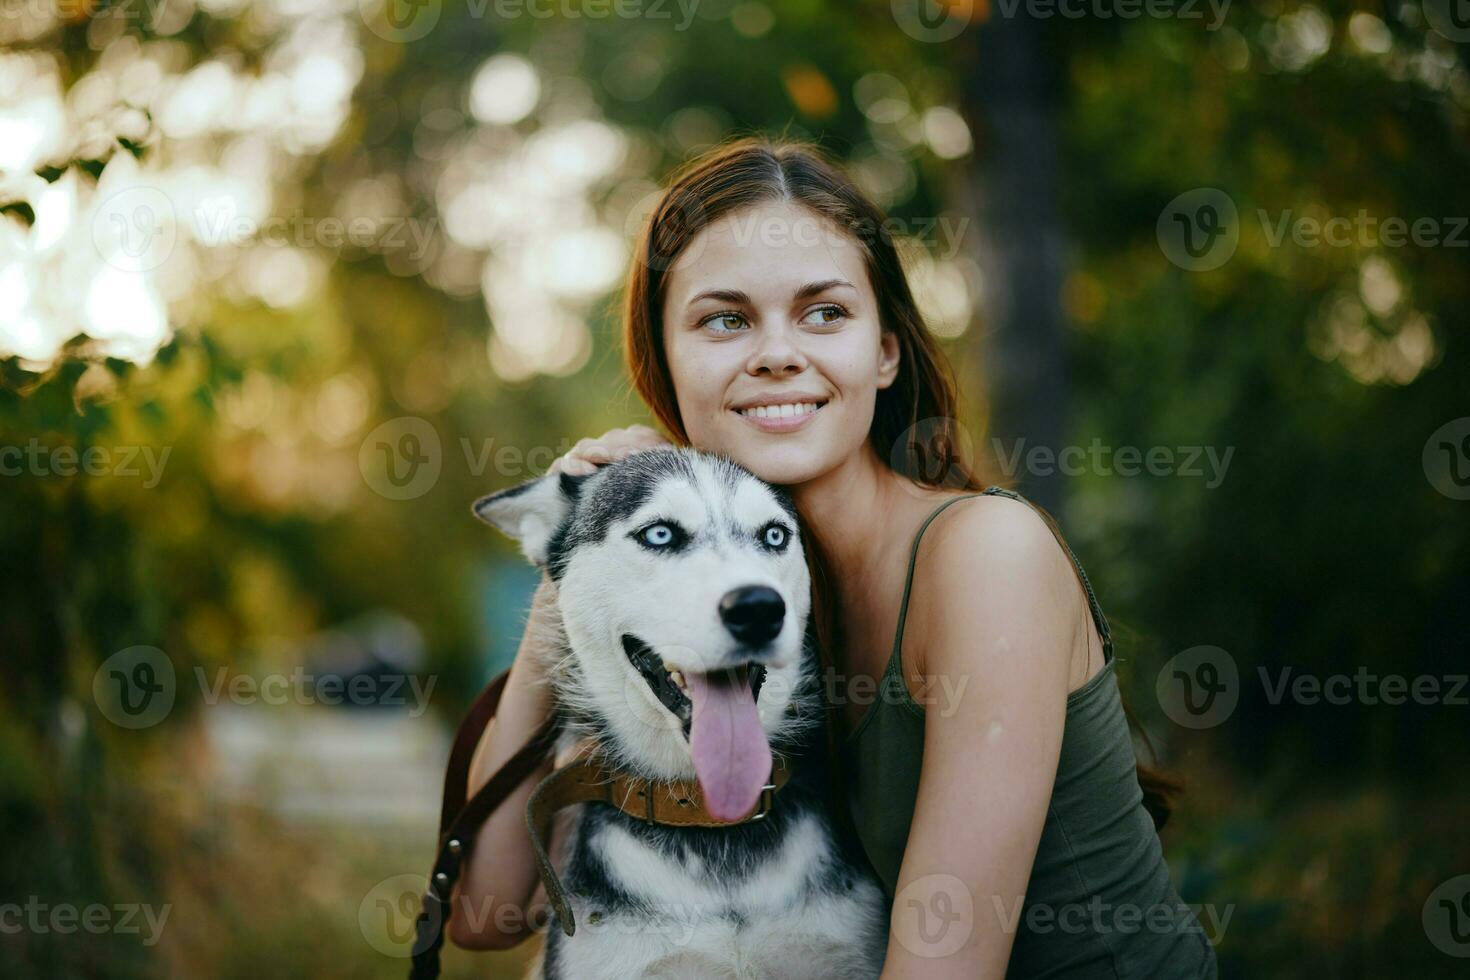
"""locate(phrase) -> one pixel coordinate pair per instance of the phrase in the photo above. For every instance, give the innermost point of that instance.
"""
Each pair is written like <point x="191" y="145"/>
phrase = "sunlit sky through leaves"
<point x="521" y="191"/>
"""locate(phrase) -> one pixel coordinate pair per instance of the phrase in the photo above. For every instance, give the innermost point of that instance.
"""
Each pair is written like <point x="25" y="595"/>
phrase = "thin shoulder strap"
<point x="908" y="580"/>
<point x="1098" y="618"/>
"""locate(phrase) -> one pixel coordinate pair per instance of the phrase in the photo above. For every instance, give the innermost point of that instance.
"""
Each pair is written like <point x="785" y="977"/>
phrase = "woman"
<point x="992" y="779"/>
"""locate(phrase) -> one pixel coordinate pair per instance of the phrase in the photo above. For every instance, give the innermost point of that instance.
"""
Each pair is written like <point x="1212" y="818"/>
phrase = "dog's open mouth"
<point x="670" y="687"/>
<point x="727" y="742"/>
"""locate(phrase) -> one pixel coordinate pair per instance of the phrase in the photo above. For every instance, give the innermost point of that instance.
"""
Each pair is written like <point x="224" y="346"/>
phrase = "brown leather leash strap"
<point x="459" y="820"/>
<point x="677" y="803"/>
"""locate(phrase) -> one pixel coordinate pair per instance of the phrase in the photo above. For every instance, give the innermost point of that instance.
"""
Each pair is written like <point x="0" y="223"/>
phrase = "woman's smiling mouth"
<point x="780" y="416"/>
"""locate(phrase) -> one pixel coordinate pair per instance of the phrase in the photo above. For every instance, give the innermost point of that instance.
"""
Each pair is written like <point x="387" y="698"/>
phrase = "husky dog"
<point x="684" y="599"/>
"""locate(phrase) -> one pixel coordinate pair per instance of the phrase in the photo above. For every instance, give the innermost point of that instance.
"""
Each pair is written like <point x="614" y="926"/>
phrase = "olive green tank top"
<point x="1099" y="902"/>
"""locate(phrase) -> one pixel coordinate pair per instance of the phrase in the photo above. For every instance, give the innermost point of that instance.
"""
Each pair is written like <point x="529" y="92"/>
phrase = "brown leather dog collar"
<point x="676" y="803"/>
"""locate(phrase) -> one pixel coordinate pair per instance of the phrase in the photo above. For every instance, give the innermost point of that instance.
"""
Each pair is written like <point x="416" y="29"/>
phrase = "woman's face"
<point x="772" y="336"/>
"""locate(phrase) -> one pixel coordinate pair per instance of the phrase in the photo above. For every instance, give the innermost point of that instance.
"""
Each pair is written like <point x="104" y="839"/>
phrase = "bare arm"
<point x="1002" y="610"/>
<point x="493" y="897"/>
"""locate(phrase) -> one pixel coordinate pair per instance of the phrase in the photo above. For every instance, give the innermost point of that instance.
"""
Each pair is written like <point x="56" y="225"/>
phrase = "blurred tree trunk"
<point x="1010" y="97"/>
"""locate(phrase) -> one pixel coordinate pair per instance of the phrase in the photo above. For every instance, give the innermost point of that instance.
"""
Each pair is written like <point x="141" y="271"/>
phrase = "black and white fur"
<point x="785" y="897"/>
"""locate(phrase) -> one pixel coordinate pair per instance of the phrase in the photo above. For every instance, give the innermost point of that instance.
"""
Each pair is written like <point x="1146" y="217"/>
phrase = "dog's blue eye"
<point x="774" y="537"/>
<point x="657" y="535"/>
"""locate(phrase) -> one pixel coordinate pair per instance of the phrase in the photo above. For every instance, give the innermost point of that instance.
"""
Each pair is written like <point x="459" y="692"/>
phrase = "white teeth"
<point x="677" y="677"/>
<point x="789" y="410"/>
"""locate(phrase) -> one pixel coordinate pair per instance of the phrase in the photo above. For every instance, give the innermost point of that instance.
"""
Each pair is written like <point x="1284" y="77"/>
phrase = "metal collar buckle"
<point x="767" y="800"/>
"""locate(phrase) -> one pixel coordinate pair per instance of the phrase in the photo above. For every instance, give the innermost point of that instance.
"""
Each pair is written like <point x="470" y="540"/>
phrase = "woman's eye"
<point x="724" y="322"/>
<point x="775" y="537"/>
<point x="825" y="316"/>
<point x="657" y="535"/>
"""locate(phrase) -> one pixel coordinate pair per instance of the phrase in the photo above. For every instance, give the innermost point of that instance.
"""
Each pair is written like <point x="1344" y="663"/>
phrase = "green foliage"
<point x="1324" y="549"/>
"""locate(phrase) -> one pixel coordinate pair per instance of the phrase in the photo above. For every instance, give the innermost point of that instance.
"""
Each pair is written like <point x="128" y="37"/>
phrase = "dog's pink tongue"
<point x="731" y="755"/>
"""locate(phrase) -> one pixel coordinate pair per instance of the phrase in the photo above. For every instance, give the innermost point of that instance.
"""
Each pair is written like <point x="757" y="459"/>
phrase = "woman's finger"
<point x="586" y="455"/>
<point x="647" y="438"/>
<point x="572" y="466"/>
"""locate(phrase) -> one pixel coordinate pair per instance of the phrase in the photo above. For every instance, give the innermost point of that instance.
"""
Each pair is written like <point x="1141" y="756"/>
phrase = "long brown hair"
<point x="915" y="426"/>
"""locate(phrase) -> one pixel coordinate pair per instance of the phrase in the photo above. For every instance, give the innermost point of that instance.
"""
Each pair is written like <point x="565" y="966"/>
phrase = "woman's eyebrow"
<point x="821" y="286"/>
<point x="739" y="297"/>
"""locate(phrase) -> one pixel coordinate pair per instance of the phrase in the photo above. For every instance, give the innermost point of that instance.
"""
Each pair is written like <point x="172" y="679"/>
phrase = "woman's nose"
<point x="777" y="353"/>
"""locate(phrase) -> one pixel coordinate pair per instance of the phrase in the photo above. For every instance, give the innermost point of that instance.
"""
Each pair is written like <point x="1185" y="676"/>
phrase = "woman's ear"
<point x="888" y="357"/>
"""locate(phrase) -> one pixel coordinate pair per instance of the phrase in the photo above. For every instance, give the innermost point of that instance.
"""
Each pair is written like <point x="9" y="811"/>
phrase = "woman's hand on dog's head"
<point x="588" y="454"/>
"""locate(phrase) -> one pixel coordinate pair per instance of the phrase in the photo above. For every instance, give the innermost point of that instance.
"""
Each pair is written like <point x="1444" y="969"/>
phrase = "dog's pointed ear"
<point x="531" y="513"/>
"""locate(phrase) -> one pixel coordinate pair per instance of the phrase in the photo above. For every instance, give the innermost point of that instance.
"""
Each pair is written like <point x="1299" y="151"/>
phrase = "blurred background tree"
<point x="261" y="243"/>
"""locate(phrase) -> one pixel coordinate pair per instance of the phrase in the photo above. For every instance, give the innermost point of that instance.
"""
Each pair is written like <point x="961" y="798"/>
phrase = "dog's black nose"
<point x="753" y="614"/>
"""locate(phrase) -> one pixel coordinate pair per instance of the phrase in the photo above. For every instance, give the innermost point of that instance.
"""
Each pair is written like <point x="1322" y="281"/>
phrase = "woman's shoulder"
<point x="992" y="534"/>
<point x="991" y="565"/>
